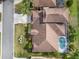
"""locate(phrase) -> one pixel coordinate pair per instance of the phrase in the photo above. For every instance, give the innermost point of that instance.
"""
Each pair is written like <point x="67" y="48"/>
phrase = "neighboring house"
<point x="44" y="3"/>
<point x="48" y="3"/>
<point x="47" y="26"/>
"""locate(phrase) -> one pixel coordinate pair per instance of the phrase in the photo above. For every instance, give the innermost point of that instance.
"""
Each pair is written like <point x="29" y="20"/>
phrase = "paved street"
<point x="7" y="33"/>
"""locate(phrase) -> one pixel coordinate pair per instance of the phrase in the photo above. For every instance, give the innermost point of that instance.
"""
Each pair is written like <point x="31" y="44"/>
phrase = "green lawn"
<point x="74" y="13"/>
<point x="74" y="39"/>
<point x="18" y="50"/>
<point x="73" y="8"/>
<point x="78" y="23"/>
<point x="22" y="48"/>
<point x="18" y="8"/>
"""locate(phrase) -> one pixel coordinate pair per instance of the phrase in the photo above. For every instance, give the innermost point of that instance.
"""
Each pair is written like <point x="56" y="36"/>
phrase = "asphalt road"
<point x="7" y="32"/>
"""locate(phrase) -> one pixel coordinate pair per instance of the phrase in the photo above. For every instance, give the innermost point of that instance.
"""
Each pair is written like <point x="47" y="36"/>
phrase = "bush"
<point x="24" y="7"/>
<point x="69" y="3"/>
<point x="71" y="33"/>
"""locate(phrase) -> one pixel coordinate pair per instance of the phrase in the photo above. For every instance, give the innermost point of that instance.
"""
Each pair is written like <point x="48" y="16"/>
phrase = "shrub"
<point x="69" y="3"/>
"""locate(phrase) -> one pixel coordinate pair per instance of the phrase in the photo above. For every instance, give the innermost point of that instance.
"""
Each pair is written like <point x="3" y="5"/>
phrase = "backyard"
<point x="75" y="20"/>
<point x="73" y="31"/>
<point x="73" y="7"/>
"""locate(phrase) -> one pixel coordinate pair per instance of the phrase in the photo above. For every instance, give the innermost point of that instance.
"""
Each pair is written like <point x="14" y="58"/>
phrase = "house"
<point x="47" y="26"/>
<point x="44" y="3"/>
<point x="48" y="3"/>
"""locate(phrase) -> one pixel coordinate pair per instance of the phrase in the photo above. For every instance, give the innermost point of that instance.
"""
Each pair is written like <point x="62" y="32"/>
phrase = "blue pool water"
<point x="60" y="3"/>
<point x="62" y="42"/>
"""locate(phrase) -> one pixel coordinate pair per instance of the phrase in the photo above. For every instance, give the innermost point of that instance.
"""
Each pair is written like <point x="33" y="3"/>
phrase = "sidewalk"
<point x="0" y="26"/>
<point x="19" y="58"/>
<point x="17" y="1"/>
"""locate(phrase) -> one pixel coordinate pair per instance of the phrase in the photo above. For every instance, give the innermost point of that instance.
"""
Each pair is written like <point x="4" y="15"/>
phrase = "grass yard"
<point x="78" y="23"/>
<point x="18" y="50"/>
<point x="18" y="8"/>
<point x="74" y="32"/>
<point x="73" y="8"/>
<point x="22" y="42"/>
<point x="74" y="11"/>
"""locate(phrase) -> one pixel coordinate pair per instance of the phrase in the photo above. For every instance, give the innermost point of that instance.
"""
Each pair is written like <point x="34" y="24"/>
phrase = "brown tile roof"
<point x="43" y="47"/>
<point x="41" y="36"/>
<point x="46" y="40"/>
<point x="56" y="15"/>
<point x="44" y="3"/>
<point x="54" y="18"/>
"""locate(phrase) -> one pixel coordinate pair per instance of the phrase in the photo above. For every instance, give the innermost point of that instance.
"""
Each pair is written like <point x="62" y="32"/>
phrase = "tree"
<point x="73" y="52"/>
<point x="75" y="55"/>
<point x="72" y="33"/>
<point x="26" y="6"/>
<point x="69" y="3"/>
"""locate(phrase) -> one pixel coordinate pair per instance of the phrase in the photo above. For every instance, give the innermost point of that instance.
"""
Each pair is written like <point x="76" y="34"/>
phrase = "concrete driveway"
<point x="19" y="18"/>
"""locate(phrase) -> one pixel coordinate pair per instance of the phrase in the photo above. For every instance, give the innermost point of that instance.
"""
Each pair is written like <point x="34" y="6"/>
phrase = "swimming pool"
<point x="60" y="3"/>
<point x="62" y="44"/>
